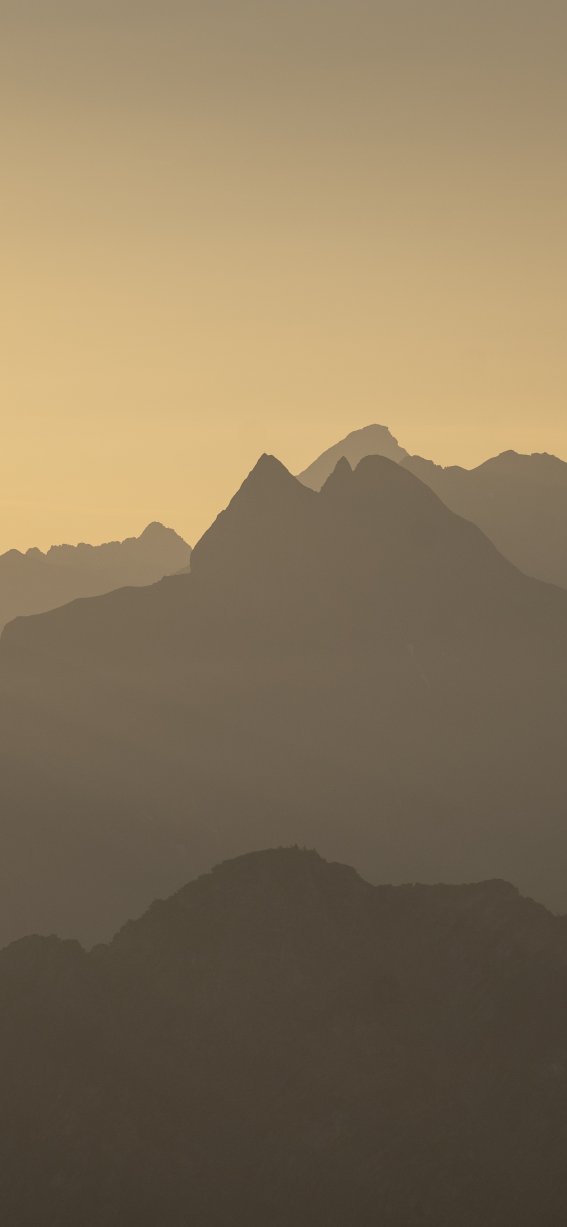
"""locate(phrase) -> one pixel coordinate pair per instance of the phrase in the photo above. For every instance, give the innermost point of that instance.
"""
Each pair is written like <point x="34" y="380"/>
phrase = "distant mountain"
<point x="357" y="669"/>
<point x="520" y="502"/>
<point x="35" y="582"/>
<point x="281" y="1042"/>
<point x="370" y="441"/>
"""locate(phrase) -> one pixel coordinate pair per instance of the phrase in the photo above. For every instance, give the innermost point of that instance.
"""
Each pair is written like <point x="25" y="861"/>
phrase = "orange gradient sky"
<point x="235" y="226"/>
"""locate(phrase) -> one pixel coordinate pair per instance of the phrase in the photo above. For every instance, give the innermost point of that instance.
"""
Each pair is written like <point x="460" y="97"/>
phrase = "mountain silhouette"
<point x="358" y="669"/>
<point x="34" y="582"/>
<point x="281" y="1042"/>
<point x="519" y="501"/>
<point x="371" y="440"/>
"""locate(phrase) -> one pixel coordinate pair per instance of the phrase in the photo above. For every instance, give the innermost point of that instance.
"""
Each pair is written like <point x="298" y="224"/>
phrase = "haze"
<point x="233" y="227"/>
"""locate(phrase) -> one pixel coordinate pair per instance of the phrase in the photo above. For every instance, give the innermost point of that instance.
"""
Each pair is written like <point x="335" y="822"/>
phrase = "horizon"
<point x="270" y="225"/>
<point x="192" y="538"/>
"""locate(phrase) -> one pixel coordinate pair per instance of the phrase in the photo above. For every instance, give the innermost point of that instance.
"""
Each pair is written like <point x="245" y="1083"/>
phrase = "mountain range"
<point x="357" y="669"/>
<point x="519" y="501"/>
<point x="281" y="1042"/>
<point x="34" y="582"/>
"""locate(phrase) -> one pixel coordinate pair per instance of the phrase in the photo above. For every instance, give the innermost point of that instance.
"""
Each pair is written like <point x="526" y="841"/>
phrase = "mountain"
<point x="520" y="502"/>
<point x="370" y="441"/>
<point x="281" y="1042"/>
<point x="357" y="669"/>
<point x="35" y="582"/>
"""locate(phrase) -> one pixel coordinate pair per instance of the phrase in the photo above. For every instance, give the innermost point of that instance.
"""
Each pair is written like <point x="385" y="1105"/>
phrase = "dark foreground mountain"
<point x="358" y="670"/>
<point x="281" y="1043"/>
<point x="35" y="582"/>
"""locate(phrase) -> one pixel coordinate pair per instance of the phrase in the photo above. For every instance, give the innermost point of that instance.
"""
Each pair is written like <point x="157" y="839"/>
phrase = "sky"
<point x="237" y="226"/>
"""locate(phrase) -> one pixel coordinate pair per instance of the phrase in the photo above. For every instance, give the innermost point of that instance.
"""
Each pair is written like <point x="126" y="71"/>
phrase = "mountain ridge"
<point x="35" y="582"/>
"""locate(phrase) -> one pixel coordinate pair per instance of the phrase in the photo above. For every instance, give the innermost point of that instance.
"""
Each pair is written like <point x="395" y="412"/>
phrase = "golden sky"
<point x="235" y="226"/>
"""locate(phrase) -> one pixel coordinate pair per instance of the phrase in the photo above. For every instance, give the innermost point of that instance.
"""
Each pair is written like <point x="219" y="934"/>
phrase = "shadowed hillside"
<point x="281" y="1042"/>
<point x="357" y="669"/>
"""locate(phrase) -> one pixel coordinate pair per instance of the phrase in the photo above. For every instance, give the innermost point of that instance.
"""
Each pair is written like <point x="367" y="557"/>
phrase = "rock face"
<point x="370" y="441"/>
<point x="280" y="1043"/>
<point x="35" y="582"/>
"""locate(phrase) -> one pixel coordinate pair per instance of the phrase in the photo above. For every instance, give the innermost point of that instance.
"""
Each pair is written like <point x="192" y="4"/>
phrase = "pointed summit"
<point x="259" y="523"/>
<point x="269" y="478"/>
<point x="372" y="440"/>
<point x="339" y="480"/>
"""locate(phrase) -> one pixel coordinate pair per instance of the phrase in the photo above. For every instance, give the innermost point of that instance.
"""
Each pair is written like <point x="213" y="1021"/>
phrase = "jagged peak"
<point x="269" y="495"/>
<point x="339" y="479"/>
<point x="268" y="469"/>
<point x="266" y="485"/>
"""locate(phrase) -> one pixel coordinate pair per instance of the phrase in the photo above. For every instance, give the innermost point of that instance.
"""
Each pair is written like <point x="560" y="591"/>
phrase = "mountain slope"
<point x="371" y="440"/>
<point x="520" y="502"/>
<point x="35" y="582"/>
<point x="357" y="669"/>
<point x="281" y="1042"/>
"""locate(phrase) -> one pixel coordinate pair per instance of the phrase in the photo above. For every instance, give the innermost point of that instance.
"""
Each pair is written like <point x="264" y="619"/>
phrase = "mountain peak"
<point x="268" y="483"/>
<point x="267" y="470"/>
<point x="339" y="479"/>
<point x="369" y="440"/>
<point x="264" y="513"/>
<point x="154" y="529"/>
<point x="388" y="485"/>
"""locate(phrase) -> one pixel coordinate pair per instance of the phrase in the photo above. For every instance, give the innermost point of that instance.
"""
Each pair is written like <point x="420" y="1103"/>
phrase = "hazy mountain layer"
<point x="282" y="1043"/>
<point x="357" y="669"/>
<point x="35" y="582"/>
